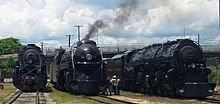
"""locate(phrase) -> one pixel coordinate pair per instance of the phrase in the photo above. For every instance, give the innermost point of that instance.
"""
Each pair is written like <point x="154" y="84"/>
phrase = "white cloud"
<point x="39" y="4"/>
<point x="217" y="39"/>
<point x="41" y="18"/>
<point x="151" y="21"/>
<point x="175" y="13"/>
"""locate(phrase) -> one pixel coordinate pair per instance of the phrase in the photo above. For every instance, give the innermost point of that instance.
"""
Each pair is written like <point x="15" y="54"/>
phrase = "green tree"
<point x="4" y="65"/>
<point x="214" y="76"/>
<point x="9" y="46"/>
<point x="8" y="63"/>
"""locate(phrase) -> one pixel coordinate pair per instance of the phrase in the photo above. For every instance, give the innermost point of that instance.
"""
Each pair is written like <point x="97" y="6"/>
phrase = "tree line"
<point x="9" y="46"/>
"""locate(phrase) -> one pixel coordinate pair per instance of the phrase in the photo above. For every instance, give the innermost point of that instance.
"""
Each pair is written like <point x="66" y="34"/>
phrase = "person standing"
<point x="1" y="83"/>
<point x="117" y="88"/>
<point x="114" y="82"/>
<point x="107" y="88"/>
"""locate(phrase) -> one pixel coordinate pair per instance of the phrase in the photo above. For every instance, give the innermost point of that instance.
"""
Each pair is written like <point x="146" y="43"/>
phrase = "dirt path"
<point x="153" y="99"/>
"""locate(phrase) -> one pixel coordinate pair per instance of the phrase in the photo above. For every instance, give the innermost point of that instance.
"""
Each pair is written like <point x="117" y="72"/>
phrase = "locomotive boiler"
<point x="174" y="68"/>
<point x="79" y="69"/>
<point x="30" y="73"/>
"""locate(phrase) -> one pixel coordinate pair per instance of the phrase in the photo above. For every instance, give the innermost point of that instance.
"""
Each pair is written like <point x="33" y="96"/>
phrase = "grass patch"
<point x="61" y="97"/>
<point x="214" y="76"/>
<point x="8" y="89"/>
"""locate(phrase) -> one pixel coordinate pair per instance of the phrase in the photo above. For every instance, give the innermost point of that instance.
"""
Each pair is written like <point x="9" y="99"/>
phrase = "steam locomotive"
<point x="30" y="73"/>
<point x="79" y="69"/>
<point x="174" y="68"/>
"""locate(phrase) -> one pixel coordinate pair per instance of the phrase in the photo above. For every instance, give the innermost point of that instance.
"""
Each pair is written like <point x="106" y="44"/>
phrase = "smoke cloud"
<point x="93" y="28"/>
<point x="159" y="18"/>
<point x="125" y="10"/>
<point x="122" y="16"/>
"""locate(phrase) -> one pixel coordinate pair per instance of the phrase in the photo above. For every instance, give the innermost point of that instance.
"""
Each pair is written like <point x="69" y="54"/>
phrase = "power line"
<point x="69" y="38"/>
<point x="78" y="26"/>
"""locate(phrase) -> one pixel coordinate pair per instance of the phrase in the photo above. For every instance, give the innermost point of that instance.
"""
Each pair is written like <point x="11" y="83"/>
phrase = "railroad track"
<point x="214" y="99"/>
<point x="13" y="97"/>
<point x="26" y="98"/>
<point x="97" y="99"/>
<point x="125" y="102"/>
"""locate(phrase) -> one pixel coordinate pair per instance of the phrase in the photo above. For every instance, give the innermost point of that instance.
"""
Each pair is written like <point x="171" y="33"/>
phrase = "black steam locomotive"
<point x="79" y="69"/>
<point x="175" y="68"/>
<point x="30" y="73"/>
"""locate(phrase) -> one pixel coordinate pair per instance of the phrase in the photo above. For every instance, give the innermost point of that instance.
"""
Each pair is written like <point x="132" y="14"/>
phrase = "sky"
<point x="110" y="22"/>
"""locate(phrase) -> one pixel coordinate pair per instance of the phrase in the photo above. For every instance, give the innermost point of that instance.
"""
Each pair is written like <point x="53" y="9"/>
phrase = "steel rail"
<point x="13" y="97"/>
<point x="37" y="98"/>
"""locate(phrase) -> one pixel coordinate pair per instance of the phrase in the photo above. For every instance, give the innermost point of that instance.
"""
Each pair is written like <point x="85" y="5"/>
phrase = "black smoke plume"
<point x="125" y="11"/>
<point x="93" y="28"/>
<point x="123" y="14"/>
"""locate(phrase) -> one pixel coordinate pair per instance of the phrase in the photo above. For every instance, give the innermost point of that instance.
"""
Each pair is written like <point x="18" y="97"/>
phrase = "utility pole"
<point x="69" y="38"/>
<point x="78" y="26"/>
<point x="42" y="46"/>
<point x="198" y="38"/>
<point x="97" y="38"/>
<point x="184" y="29"/>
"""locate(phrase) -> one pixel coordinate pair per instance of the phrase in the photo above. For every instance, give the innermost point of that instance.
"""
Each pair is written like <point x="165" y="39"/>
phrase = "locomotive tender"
<point x="79" y="69"/>
<point x="175" y="68"/>
<point x="30" y="73"/>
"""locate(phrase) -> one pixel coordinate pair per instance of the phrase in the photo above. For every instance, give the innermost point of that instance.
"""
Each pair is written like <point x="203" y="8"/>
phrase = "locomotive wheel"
<point x="160" y="91"/>
<point x="166" y="93"/>
<point x="130" y="86"/>
<point x="75" y="91"/>
<point x="60" y="85"/>
<point x="142" y="89"/>
<point x="146" y="90"/>
<point x="153" y="90"/>
<point x="171" y="93"/>
<point x="66" y="83"/>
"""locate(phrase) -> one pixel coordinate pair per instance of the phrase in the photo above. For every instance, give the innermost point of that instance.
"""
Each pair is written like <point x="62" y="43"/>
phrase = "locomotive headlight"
<point x="193" y="65"/>
<point x="89" y="57"/>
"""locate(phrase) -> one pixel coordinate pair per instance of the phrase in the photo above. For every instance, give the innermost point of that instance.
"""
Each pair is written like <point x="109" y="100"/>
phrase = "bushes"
<point x="9" y="46"/>
<point x="214" y="76"/>
<point x="8" y="63"/>
<point x="213" y="62"/>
